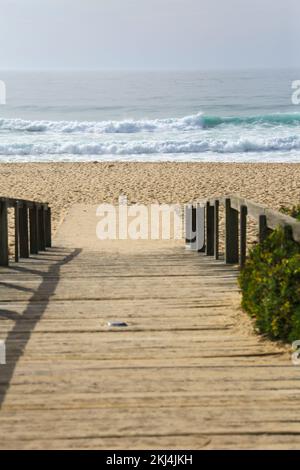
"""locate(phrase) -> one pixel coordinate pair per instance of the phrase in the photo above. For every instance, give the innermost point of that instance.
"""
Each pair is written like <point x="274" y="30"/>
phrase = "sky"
<point x="149" y="34"/>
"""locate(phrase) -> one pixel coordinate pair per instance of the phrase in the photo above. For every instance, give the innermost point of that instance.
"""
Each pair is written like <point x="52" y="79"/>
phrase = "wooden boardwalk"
<point x="183" y="374"/>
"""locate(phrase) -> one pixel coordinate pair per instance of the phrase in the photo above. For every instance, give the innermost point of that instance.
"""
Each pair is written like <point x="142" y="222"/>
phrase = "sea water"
<point x="239" y="116"/>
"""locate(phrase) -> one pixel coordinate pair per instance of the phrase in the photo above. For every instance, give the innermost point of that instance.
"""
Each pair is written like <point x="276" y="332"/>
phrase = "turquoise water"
<point x="150" y="116"/>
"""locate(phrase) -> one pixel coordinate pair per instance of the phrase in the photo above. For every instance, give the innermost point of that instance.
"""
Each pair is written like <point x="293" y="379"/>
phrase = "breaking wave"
<point x="154" y="147"/>
<point x="129" y="126"/>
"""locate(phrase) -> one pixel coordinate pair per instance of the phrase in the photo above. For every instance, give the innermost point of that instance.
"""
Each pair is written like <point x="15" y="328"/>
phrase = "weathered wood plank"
<point x="243" y="235"/>
<point x="186" y="372"/>
<point x="231" y="234"/>
<point x="3" y="234"/>
<point x="255" y="210"/>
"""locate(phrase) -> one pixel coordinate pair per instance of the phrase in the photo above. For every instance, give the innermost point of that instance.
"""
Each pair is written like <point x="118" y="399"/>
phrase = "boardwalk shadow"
<point x="25" y="323"/>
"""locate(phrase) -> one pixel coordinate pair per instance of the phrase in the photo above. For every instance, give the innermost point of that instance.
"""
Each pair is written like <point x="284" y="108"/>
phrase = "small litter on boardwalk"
<point x="118" y="324"/>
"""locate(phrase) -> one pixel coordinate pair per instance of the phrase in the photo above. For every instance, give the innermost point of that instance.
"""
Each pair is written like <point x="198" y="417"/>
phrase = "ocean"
<point x="240" y="116"/>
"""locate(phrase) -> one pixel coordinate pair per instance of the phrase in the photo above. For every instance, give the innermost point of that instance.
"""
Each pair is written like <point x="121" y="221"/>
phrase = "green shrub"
<point x="291" y="211"/>
<point x="270" y="284"/>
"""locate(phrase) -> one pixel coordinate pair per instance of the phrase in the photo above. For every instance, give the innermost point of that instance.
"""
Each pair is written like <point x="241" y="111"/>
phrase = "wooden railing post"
<point x="23" y="231"/>
<point x="41" y="222"/>
<point x="263" y="228"/>
<point x="3" y="234"/>
<point x="243" y="234"/>
<point x="216" y="227"/>
<point x="193" y="228"/>
<point x="200" y="228"/>
<point x="34" y="230"/>
<point x="237" y="209"/>
<point x="17" y="230"/>
<point x="210" y="229"/>
<point x="48" y="228"/>
<point x="231" y="234"/>
<point x="188" y="224"/>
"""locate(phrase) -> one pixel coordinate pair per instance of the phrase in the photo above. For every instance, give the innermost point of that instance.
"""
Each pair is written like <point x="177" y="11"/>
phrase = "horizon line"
<point x="75" y="69"/>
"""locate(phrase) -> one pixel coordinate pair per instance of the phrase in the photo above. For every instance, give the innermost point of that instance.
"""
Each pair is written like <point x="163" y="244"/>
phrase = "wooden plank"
<point x="23" y="231"/>
<point x="42" y="228"/>
<point x="48" y="237"/>
<point x="263" y="228"/>
<point x="3" y="234"/>
<point x="188" y="224"/>
<point x="210" y="229"/>
<point x="34" y="230"/>
<point x="243" y="235"/>
<point x="17" y="232"/>
<point x="255" y="210"/>
<point x="216" y="228"/>
<point x="231" y="234"/>
<point x="187" y="371"/>
<point x="200" y="228"/>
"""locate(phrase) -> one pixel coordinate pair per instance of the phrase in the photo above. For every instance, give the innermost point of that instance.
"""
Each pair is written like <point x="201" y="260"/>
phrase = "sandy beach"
<point x="64" y="184"/>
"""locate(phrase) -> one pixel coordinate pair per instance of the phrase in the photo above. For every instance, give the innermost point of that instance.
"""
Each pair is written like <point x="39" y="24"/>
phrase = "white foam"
<point x="129" y="126"/>
<point x="226" y="146"/>
<point x="126" y="126"/>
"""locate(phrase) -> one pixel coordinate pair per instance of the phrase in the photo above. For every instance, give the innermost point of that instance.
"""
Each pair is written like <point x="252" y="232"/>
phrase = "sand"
<point x="64" y="184"/>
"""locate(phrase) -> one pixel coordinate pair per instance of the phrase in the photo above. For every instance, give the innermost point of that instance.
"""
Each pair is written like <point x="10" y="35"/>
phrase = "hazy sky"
<point x="149" y="34"/>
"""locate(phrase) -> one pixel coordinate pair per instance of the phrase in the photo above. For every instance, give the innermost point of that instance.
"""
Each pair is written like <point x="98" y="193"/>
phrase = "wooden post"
<point x="243" y="235"/>
<point x="216" y="227"/>
<point x="193" y="244"/>
<point x="263" y="228"/>
<point x="17" y="228"/>
<point x="188" y="224"/>
<point x="34" y="232"/>
<point x="231" y="234"/>
<point x="41" y="221"/>
<point x="194" y="222"/>
<point x="48" y="227"/>
<point x="3" y="234"/>
<point x="200" y="228"/>
<point x="210" y="229"/>
<point x="191" y="227"/>
<point x="23" y="231"/>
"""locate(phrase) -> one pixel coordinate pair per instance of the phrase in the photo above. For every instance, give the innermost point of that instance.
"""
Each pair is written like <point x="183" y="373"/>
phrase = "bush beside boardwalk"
<point x="270" y="284"/>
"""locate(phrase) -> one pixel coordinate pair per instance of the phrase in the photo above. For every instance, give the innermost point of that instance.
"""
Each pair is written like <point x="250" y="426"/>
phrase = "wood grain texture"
<point x="187" y="372"/>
